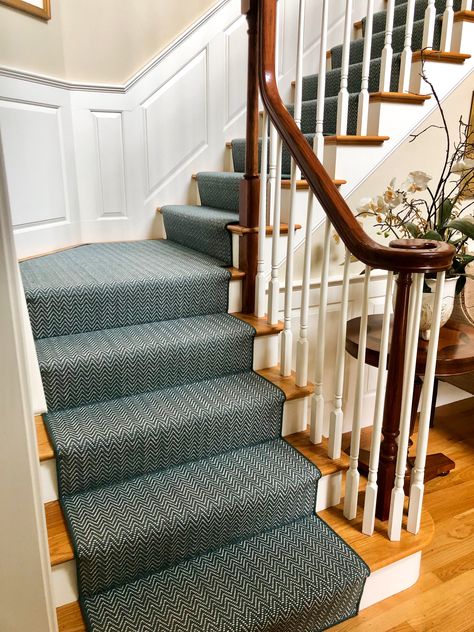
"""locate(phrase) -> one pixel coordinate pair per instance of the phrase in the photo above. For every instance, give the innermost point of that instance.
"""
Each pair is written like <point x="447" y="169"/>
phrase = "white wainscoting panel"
<point x="175" y="119"/>
<point x="235" y="69"/>
<point x="110" y="155"/>
<point x="34" y="154"/>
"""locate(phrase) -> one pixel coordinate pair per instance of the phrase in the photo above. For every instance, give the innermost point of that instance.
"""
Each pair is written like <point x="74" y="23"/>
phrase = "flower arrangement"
<point x="442" y="213"/>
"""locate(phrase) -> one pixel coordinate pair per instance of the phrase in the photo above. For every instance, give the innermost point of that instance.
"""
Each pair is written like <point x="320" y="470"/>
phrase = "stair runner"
<point x="187" y="510"/>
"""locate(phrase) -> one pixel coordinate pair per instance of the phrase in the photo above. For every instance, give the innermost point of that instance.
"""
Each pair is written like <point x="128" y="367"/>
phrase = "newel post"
<point x="250" y="185"/>
<point x="393" y="398"/>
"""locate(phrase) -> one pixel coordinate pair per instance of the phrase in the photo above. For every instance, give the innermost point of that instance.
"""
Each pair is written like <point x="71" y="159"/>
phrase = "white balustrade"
<point x="352" y="476"/>
<point x="368" y="521"/>
<point x="411" y="350"/>
<point x="429" y="25"/>
<point x="287" y="336"/>
<point x="343" y="97"/>
<point x="418" y="471"/>
<point x="466" y="5"/>
<point x="337" y="416"/>
<point x="275" y="207"/>
<point x="317" y="400"/>
<point x="363" y="105"/>
<point x="387" y="52"/>
<point x="447" y="28"/>
<point x="405" y="69"/>
<point x="260" y="280"/>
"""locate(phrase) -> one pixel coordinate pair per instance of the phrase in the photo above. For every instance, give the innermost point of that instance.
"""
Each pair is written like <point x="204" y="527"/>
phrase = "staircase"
<point x="168" y="486"/>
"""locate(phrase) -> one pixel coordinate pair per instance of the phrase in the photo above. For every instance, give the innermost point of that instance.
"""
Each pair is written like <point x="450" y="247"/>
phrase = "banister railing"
<point x="408" y="259"/>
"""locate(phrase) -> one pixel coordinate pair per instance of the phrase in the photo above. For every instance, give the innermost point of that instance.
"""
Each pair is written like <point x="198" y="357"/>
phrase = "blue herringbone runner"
<point x="187" y="510"/>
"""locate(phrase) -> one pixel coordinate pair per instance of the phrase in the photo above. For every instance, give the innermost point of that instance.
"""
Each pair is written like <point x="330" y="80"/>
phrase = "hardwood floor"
<point x="443" y="598"/>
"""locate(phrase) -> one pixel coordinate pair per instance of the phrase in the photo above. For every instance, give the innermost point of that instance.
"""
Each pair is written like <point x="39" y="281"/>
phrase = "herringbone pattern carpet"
<point x="186" y="509"/>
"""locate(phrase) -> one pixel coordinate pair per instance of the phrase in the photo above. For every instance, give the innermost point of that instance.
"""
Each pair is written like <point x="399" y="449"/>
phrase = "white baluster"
<point x="387" y="52"/>
<point x="363" y="104"/>
<point x="262" y="221"/>
<point x="411" y="350"/>
<point x="405" y="69"/>
<point x="372" y="488"/>
<point x="287" y="336"/>
<point x="336" y="417"/>
<point x="302" y="346"/>
<point x="429" y="25"/>
<point x="418" y="472"/>
<point x="343" y="97"/>
<point x="275" y="198"/>
<point x="352" y="477"/>
<point x="317" y="400"/>
<point x="466" y="5"/>
<point x="319" y="140"/>
<point x="447" y="29"/>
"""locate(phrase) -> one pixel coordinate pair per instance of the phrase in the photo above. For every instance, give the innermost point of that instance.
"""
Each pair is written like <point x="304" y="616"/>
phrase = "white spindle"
<point x="372" y="488"/>
<point x="343" y="97"/>
<point x="287" y="336"/>
<point x="302" y="346"/>
<point x="317" y="401"/>
<point x="319" y="140"/>
<point x="262" y="220"/>
<point x="405" y="69"/>
<point x="418" y="472"/>
<point x="352" y="477"/>
<point x="336" y="417"/>
<point x="411" y="350"/>
<point x="447" y="29"/>
<point x="387" y="52"/>
<point x="429" y="25"/>
<point x="363" y="105"/>
<point x="275" y="206"/>
<point x="466" y="5"/>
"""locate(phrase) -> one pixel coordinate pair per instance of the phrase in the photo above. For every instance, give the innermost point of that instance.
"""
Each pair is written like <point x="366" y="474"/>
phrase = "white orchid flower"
<point x="458" y="167"/>
<point x="416" y="181"/>
<point x="392" y="197"/>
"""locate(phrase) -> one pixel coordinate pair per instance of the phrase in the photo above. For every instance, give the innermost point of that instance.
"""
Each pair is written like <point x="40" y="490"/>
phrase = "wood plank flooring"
<point x="443" y="598"/>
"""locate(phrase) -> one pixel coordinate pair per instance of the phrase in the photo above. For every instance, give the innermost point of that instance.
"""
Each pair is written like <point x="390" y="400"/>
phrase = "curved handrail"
<point x="402" y="255"/>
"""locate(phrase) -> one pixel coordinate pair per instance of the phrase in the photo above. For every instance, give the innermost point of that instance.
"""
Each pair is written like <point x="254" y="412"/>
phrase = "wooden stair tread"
<point x="261" y="326"/>
<point x="287" y="384"/>
<point x="464" y="16"/>
<point x="318" y="453"/>
<point x="59" y="541"/>
<point x="303" y="184"/>
<point x="377" y="550"/>
<point x="237" y="229"/>
<point x="353" y="139"/>
<point x="235" y="273"/>
<point x="44" y="445"/>
<point x="398" y="97"/>
<point x="436" y="55"/>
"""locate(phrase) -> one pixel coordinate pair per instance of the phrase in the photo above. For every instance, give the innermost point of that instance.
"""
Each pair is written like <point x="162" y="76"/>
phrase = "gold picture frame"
<point x="39" y="8"/>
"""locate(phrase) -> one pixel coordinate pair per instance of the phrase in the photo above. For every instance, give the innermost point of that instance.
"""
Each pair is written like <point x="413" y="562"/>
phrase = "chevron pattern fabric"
<point x="100" y="286"/>
<point x="284" y="580"/>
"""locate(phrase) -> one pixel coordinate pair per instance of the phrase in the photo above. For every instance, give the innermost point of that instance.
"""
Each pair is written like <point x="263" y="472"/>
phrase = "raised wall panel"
<point x="33" y="148"/>
<point x="108" y="126"/>
<point x="236" y="53"/>
<point x="175" y="118"/>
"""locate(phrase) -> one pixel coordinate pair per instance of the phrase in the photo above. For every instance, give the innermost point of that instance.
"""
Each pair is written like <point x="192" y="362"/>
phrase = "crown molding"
<point x="54" y="82"/>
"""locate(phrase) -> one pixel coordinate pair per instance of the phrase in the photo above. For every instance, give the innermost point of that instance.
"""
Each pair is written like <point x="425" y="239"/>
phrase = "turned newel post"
<point x="393" y="398"/>
<point x="250" y="185"/>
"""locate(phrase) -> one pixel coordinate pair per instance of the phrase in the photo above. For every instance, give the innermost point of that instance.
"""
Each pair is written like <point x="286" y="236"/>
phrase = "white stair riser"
<point x="391" y="579"/>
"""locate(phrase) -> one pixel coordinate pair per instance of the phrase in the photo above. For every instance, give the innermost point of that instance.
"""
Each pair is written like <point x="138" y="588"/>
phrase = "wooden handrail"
<point x="402" y="255"/>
